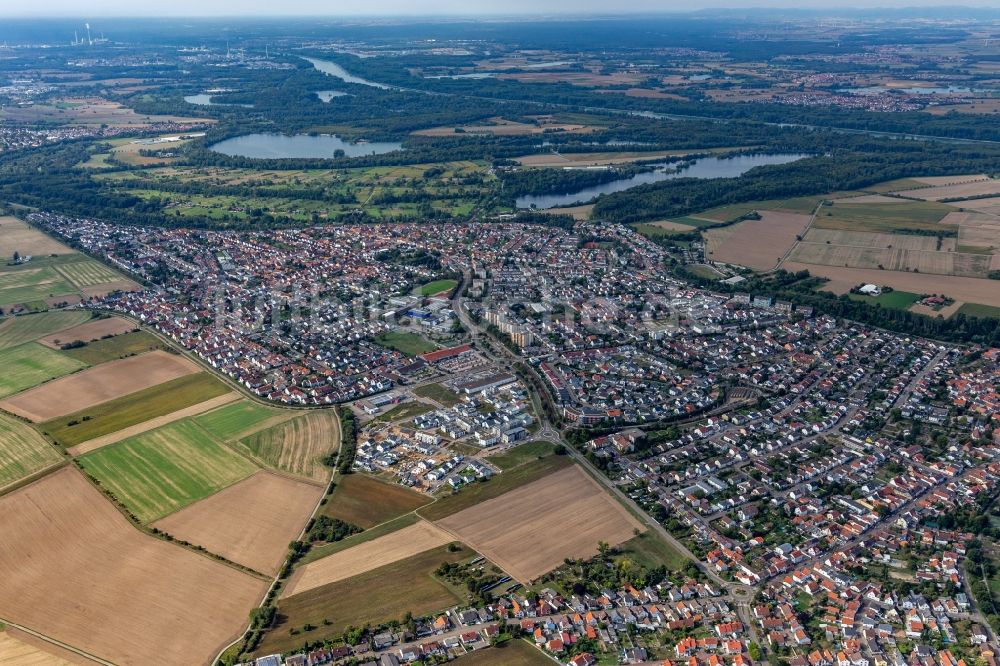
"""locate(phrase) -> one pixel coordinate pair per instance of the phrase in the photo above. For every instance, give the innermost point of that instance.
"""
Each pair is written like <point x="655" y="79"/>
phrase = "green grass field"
<point x="134" y="408"/>
<point x="87" y="273"/>
<point x="18" y="330"/>
<point x="237" y="419"/>
<point x="31" y="364"/>
<point x="437" y="287"/>
<point x="159" y="472"/>
<point x="480" y="492"/>
<point x="508" y="653"/>
<point x="22" y="451"/>
<point x="894" y="300"/>
<point x="884" y="217"/>
<point x="650" y="551"/>
<point x="120" y="346"/>
<point x="297" y="445"/>
<point x="374" y="597"/>
<point x="979" y="310"/>
<point x="804" y="205"/>
<point x="23" y="285"/>
<point x="366" y="501"/>
<point x="522" y="454"/>
<point x="409" y="344"/>
<point x="438" y="393"/>
<point x="407" y="410"/>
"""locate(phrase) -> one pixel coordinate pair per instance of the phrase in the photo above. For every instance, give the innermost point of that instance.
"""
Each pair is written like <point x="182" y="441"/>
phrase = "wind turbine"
<point x="89" y="40"/>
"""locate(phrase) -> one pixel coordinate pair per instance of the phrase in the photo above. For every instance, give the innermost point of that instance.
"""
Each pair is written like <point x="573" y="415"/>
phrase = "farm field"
<point x="151" y="424"/>
<point x="297" y="446"/>
<point x="895" y="259"/>
<point x="242" y="418"/>
<point x="800" y="205"/>
<point x="965" y="289"/>
<point x="250" y="522"/>
<point x="16" y="236"/>
<point x="18" y="648"/>
<point x="319" y="551"/>
<point x="508" y="653"/>
<point x="29" y="365"/>
<point x="882" y="217"/>
<point x="364" y="557"/>
<point x="117" y="347"/>
<point x="22" y="451"/>
<point x="758" y="244"/>
<point x="88" y="330"/>
<point x="135" y="408"/>
<point x="29" y="283"/>
<point x="159" y="472"/>
<point x="978" y="310"/>
<point x="405" y="342"/>
<point x="86" y="273"/>
<point x="366" y="501"/>
<point x="563" y="515"/>
<point x="15" y="331"/>
<point x="971" y="188"/>
<point x="132" y="595"/>
<point x="475" y="493"/>
<point x="87" y="111"/>
<point x="98" y="384"/>
<point x="373" y="597"/>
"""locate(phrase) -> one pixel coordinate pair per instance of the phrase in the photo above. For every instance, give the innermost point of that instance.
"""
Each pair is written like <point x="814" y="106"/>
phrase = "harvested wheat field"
<point x="874" y="240"/>
<point x="976" y="188"/>
<point x="152" y="424"/>
<point x="894" y="259"/>
<point x="366" y="556"/>
<point x="530" y="530"/>
<point x="23" y="451"/>
<point x="938" y="181"/>
<point x="19" y="648"/>
<point x="16" y="236"/>
<point x="98" y="384"/>
<point x="297" y="446"/>
<point x="95" y="329"/>
<point x="250" y="523"/>
<point x="75" y="570"/>
<point x="758" y="244"/>
<point x="968" y="290"/>
<point x="987" y="206"/>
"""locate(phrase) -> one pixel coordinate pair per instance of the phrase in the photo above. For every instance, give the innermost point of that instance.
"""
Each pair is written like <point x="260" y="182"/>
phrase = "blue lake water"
<point x="284" y="146"/>
<point x="706" y="167"/>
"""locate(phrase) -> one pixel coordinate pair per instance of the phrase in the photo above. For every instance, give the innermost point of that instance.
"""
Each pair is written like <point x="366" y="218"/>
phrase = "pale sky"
<point x="333" y="8"/>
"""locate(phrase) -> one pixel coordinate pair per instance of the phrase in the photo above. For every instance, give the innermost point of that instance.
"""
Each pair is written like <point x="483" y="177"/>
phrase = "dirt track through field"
<point x="530" y="530"/>
<point x="152" y="424"/>
<point x="251" y="522"/>
<point x="19" y="648"/>
<point x="75" y="570"/>
<point x="98" y="384"/>
<point x="366" y="556"/>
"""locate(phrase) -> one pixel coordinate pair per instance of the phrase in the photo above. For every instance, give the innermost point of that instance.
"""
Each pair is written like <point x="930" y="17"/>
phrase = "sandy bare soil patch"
<point x="16" y="236"/>
<point x="530" y="530"/>
<point x="251" y="522"/>
<point x="74" y="569"/>
<point x="969" y="290"/>
<point x="671" y="226"/>
<point x="366" y="556"/>
<point x="945" y="312"/>
<point x="938" y="181"/>
<point x="98" y="384"/>
<point x="759" y="244"/>
<point x="94" y="329"/>
<point x="152" y="424"/>
<point x="970" y="189"/>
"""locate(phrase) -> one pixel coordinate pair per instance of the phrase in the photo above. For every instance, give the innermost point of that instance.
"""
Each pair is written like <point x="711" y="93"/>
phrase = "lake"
<point x="333" y="69"/>
<point x="204" y="99"/>
<point x="706" y="167"/>
<point x="284" y="146"/>
<point x="327" y="95"/>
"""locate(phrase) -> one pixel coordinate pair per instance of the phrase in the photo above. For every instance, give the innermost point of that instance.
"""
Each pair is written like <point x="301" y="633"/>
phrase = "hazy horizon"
<point x="442" y="8"/>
